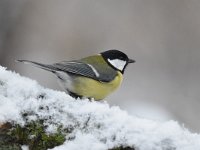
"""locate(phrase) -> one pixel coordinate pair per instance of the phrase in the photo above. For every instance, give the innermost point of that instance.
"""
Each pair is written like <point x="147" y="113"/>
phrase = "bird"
<point x="93" y="77"/>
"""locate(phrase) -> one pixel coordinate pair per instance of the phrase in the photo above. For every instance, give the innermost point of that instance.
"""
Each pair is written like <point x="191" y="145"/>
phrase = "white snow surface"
<point x="97" y="126"/>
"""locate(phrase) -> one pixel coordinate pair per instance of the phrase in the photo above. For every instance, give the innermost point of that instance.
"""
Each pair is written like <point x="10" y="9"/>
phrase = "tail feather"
<point x="39" y="65"/>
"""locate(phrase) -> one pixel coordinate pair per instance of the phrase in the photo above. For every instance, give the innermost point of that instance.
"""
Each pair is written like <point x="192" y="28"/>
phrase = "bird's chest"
<point x="88" y="87"/>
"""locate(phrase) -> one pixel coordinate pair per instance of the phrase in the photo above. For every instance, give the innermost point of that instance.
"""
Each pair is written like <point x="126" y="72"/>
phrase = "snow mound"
<point x="97" y="126"/>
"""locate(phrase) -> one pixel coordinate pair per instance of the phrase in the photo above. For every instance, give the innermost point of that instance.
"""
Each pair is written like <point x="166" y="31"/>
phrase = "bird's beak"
<point x="131" y="60"/>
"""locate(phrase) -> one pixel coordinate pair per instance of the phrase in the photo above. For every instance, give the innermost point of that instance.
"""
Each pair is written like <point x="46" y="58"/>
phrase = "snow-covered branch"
<point x="81" y="124"/>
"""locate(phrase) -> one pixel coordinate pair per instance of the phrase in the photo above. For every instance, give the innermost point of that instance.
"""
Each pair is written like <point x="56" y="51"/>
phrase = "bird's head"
<point x="117" y="59"/>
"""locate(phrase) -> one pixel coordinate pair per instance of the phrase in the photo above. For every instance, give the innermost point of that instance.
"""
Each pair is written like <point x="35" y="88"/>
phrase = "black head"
<point x="117" y="59"/>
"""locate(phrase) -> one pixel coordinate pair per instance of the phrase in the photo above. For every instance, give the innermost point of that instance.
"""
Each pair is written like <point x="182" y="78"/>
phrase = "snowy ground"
<point x="97" y="125"/>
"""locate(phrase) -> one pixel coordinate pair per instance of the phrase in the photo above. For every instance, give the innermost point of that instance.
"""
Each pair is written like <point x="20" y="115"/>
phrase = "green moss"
<point x="6" y="141"/>
<point x="33" y="134"/>
<point x="10" y="147"/>
<point x="122" y="148"/>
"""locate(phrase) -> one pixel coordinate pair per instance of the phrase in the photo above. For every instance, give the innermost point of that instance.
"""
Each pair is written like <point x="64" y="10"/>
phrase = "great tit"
<point x="91" y="77"/>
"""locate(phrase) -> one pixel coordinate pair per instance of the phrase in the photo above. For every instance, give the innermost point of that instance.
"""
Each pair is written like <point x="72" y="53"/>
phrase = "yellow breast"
<point x="90" y="88"/>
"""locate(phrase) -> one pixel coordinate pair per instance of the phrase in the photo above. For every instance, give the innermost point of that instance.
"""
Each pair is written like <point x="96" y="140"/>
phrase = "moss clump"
<point x="6" y="141"/>
<point x="33" y="134"/>
<point x="122" y="148"/>
<point x="9" y="147"/>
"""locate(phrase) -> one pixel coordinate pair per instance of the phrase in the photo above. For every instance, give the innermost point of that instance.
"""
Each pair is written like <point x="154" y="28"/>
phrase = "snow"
<point x="83" y="142"/>
<point x="24" y="147"/>
<point x="97" y="126"/>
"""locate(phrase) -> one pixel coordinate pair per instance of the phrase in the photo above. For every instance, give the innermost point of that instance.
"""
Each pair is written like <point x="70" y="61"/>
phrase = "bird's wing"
<point x="77" y="68"/>
<point x="103" y="74"/>
<point x="85" y="67"/>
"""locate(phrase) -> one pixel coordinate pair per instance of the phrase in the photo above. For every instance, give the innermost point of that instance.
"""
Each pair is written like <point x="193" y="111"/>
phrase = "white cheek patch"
<point x="117" y="63"/>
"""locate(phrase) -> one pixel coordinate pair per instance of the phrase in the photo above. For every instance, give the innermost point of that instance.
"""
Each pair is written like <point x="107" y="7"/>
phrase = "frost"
<point x="96" y="125"/>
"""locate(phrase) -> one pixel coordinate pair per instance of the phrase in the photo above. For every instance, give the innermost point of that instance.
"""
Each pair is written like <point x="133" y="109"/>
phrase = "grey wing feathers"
<point x="43" y="66"/>
<point x="66" y="66"/>
<point x="101" y="74"/>
<point x="75" y="67"/>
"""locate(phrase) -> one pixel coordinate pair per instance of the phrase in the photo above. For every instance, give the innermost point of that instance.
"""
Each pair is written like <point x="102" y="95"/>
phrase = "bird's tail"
<point x="39" y="65"/>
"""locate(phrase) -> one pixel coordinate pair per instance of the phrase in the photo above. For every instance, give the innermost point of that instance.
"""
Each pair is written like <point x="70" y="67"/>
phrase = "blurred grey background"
<point x="163" y="36"/>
